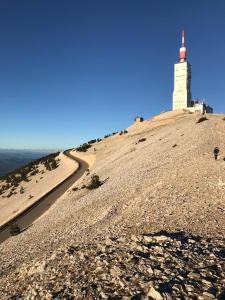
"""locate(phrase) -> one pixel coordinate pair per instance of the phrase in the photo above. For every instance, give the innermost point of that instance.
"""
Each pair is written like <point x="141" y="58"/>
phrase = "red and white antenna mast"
<point x="182" y="38"/>
<point x="182" y="50"/>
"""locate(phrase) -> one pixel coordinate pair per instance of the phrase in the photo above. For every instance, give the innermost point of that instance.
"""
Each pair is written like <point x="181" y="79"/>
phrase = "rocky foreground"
<point x="157" y="266"/>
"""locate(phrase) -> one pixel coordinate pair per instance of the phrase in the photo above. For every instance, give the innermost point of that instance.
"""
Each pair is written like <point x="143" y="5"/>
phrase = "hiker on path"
<point x="216" y="152"/>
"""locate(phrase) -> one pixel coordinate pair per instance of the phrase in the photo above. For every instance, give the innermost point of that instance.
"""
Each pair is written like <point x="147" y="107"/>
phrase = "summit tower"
<point x="182" y="80"/>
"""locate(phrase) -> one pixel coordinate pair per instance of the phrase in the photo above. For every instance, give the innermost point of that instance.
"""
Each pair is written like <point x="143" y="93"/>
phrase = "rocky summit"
<point x="149" y="266"/>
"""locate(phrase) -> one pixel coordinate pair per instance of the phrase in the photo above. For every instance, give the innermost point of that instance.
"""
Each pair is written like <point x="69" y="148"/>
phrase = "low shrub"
<point x="123" y="132"/>
<point x="22" y="190"/>
<point x="92" y="141"/>
<point x="14" y="229"/>
<point x="50" y="164"/>
<point x="142" y="140"/>
<point x="202" y="119"/>
<point x="108" y="135"/>
<point x="11" y="193"/>
<point x="175" y="145"/>
<point x="34" y="172"/>
<point x="83" y="148"/>
<point x="95" y="182"/>
<point x="54" y="165"/>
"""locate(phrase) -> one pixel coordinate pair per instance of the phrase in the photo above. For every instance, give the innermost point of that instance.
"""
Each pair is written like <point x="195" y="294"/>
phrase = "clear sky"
<point x="75" y="70"/>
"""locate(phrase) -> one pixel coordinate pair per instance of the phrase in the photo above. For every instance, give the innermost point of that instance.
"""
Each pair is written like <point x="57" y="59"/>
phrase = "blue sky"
<point x="75" y="70"/>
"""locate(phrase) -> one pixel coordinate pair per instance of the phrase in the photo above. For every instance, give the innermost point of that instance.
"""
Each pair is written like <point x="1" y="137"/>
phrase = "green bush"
<point x="142" y="140"/>
<point x="14" y="229"/>
<point x="22" y="190"/>
<point x="54" y="165"/>
<point x="83" y="148"/>
<point x="92" y="141"/>
<point x="34" y="172"/>
<point x="50" y="164"/>
<point x="95" y="182"/>
<point x="123" y="132"/>
<point x="10" y="194"/>
<point x="202" y="119"/>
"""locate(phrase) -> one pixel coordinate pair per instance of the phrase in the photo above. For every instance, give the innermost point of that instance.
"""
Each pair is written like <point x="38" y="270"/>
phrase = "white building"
<point x="200" y="107"/>
<point x="182" y="85"/>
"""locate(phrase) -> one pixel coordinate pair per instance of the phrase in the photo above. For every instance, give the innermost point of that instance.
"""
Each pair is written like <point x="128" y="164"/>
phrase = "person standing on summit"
<point x="216" y="152"/>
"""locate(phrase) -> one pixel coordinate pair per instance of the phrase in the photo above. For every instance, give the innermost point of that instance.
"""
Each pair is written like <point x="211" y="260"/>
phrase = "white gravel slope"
<point x="150" y="186"/>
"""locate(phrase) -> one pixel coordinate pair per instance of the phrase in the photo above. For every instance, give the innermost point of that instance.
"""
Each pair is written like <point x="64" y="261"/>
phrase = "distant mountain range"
<point x="13" y="159"/>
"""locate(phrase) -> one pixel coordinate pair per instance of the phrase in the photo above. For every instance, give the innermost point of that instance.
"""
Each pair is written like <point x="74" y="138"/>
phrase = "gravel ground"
<point x="156" y="266"/>
<point x="168" y="182"/>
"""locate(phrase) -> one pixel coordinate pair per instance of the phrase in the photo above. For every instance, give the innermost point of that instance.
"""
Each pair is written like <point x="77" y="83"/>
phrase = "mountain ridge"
<point x="11" y="159"/>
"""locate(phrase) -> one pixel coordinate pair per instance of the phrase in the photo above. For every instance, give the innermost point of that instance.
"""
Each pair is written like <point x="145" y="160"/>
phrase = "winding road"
<point x="35" y="210"/>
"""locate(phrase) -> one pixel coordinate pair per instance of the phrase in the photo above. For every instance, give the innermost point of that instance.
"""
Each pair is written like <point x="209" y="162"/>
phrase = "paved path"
<point x="35" y="210"/>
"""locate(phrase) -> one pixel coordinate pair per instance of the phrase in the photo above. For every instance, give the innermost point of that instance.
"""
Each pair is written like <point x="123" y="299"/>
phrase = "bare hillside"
<point x="161" y="175"/>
